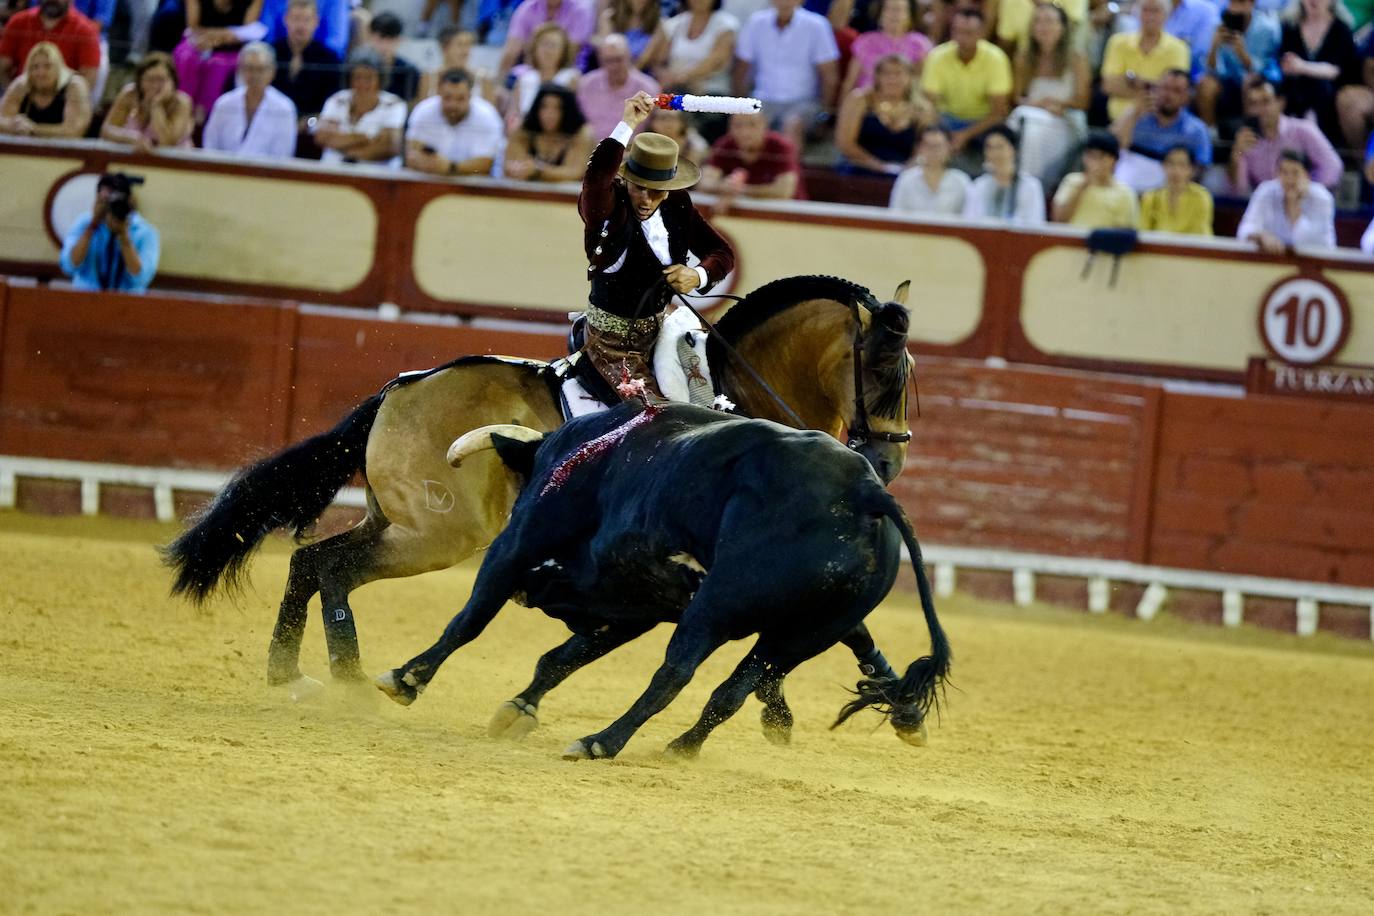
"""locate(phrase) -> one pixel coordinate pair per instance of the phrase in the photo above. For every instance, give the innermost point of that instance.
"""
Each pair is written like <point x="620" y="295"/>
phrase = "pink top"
<point x="577" y="18"/>
<point x="603" y="105"/>
<point x="134" y="122"/>
<point x="870" y="47"/>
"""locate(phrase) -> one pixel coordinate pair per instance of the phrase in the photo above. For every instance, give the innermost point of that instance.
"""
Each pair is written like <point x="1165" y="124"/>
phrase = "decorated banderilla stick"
<point x="709" y="104"/>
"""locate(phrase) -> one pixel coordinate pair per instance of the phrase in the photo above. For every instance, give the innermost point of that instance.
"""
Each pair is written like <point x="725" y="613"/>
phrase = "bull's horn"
<point x="479" y="440"/>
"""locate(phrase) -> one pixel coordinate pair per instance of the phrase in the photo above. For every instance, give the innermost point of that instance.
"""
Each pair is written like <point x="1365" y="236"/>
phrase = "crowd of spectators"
<point x="1094" y="113"/>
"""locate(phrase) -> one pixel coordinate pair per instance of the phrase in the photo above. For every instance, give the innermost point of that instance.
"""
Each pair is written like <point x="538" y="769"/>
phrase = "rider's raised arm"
<point x="597" y="200"/>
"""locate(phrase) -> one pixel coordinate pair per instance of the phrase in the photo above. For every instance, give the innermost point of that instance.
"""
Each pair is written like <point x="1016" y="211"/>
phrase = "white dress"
<point x="684" y="53"/>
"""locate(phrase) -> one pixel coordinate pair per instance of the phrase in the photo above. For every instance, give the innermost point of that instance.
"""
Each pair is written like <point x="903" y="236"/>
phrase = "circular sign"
<point x="1304" y="320"/>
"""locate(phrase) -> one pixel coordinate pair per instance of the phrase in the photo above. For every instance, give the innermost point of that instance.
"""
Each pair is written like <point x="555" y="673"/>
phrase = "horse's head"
<point x="877" y="420"/>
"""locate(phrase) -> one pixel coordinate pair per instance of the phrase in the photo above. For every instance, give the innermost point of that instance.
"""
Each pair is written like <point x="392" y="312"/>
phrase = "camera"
<point x="1235" y="22"/>
<point x="119" y="188"/>
<point x="119" y="205"/>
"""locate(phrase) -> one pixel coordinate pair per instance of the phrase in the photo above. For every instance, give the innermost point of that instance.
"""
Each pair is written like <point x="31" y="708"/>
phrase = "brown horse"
<point x="834" y="354"/>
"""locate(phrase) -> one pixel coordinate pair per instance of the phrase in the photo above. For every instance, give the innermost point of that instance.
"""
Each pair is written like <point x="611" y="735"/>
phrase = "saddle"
<point x="679" y="366"/>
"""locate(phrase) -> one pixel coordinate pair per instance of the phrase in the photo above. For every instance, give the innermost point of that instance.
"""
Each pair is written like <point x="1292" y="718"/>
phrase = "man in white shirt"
<point x="255" y="119"/>
<point x="1291" y="211"/>
<point x="454" y="132"/>
<point x="794" y="59"/>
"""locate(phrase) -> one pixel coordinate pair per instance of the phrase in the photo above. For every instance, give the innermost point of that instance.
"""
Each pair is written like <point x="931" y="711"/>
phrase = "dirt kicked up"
<point x="1083" y="765"/>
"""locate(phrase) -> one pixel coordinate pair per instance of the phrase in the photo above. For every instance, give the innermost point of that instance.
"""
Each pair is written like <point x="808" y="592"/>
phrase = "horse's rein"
<point x="859" y="431"/>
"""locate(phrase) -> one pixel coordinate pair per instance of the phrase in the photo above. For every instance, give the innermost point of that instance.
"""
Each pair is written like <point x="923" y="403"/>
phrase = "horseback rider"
<point x="639" y="225"/>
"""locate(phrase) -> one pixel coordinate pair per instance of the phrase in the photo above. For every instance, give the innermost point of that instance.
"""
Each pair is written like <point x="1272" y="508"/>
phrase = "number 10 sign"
<point x="1304" y="321"/>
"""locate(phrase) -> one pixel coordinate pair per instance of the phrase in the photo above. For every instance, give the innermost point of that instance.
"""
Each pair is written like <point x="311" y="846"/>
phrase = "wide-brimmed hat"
<point x="652" y="162"/>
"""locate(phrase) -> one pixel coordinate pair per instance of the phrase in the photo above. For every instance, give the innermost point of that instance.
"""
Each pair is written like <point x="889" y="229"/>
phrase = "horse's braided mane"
<point x="780" y="295"/>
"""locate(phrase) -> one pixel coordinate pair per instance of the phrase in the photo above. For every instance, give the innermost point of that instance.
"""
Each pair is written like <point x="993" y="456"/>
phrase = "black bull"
<point x="725" y="526"/>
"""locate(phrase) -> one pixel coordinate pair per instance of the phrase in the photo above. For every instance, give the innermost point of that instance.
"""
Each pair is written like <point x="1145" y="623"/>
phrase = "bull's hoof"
<point x="776" y="729"/>
<point x="916" y="737"/>
<point x="302" y="688"/>
<point x="514" y="720"/>
<point x="683" y="749"/>
<point x="403" y="690"/>
<point x="585" y="749"/>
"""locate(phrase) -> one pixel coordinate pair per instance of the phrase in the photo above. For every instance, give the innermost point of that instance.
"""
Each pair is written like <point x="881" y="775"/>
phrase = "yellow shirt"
<point x="1123" y="54"/>
<point x="961" y="90"/>
<point x="1014" y="17"/>
<point x="1099" y="208"/>
<point x="1192" y="217"/>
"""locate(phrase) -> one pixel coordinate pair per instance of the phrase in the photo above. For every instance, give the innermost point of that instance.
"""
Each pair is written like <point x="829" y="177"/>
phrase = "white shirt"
<point x="1028" y="207"/>
<point x="785" y="60"/>
<point x="389" y="114"/>
<point x="684" y="53"/>
<point x="911" y="194"/>
<point x="1314" y="228"/>
<point x="271" y="133"/>
<point x="480" y="135"/>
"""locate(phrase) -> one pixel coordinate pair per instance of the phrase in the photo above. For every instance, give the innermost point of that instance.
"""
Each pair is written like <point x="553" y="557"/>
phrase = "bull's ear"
<point x="517" y="454"/>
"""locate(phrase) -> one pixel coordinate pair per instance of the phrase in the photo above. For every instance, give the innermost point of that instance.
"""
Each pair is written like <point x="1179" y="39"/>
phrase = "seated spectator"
<point x="1093" y="198"/>
<point x="1182" y="205"/>
<point x="876" y="130"/>
<point x="400" y="77"/>
<point x="47" y="100"/>
<point x="151" y="111"/>
<point x="787" y="58"/>
<point x="1133" y="60"/>
<point x="455" y="50"/>
<point x="362" y="123"/>
<point x="640" y="21"/>
<point x="1003" y="192"/>
<point x="968" y="80"/>
<point x="1318" y="57"/>
<point x="113" y="247"/>
<point x="549" y="59"/>
<point x="700" y="50"/>
<point x="930" y="186"/>
<point x="553" y="142"/>
<point x="333" y="28"/>
<point x="601" y="94"/>
<point x="752" y="161"/>
<point x="1104" y="21"/>
<point x="206" y="57"/>
<point x="307" y="71"/>
<point x="575" y="17"/>
<point x="1053" y="88"/>
<point x="254" y="119"/>
<point x="1193" y="22"/>
<point x="1267" y="132"/>
<point x="1245" y="43"/>
<point x="1355" y="101"/>
<point x="1155" y="124"/>
<point x="896" y="34"/>
<point x="675" y="126"/>
<point x="1290" y="211"/>
<point x="76" y="37"/>
<point x="456" y="132"/>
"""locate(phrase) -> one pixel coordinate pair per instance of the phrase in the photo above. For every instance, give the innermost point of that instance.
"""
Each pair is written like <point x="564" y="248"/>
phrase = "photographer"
<point x="1245" y="43"/>
<point x="113" y="247"/>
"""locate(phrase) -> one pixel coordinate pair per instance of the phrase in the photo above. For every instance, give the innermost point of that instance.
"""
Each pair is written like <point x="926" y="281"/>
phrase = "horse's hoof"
<point x="398" y="688"/>
<point x="916" y="737"/>
<point x="683" y="750"/>
<point x="303" y="688"/>
<point x="780" y="735"/>
<point x="514" y="720"/>
<point x="581" y="750"/>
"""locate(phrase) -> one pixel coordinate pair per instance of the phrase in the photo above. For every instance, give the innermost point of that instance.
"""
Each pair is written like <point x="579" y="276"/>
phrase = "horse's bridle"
<point x="860" y="434"/>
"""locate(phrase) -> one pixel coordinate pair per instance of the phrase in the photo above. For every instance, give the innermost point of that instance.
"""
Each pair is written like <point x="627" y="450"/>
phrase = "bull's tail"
<point x="910" y="697"/>
<point x="290" y="489"/>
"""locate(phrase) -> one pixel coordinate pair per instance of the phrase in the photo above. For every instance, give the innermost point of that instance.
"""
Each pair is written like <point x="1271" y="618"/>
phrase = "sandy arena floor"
<point x="1084" y="765"/>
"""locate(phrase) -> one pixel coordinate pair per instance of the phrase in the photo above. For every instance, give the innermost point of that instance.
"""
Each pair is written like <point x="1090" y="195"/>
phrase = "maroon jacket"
<point x="610" y="228"/>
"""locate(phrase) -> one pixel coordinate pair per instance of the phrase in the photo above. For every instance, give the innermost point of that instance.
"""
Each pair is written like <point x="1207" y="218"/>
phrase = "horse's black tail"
<point x="920" y="688"/>
<point x="290" y="489"/>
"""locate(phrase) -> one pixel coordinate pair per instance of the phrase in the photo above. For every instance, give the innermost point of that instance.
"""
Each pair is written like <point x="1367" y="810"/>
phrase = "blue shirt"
<point x="1262" y="44"/>
<point x="1194" y="21"/>
<point x="1154" y="139"/>
<point x="99" y="11"/>
<point x="334" y="23"/>
<point x="104" y="266"/>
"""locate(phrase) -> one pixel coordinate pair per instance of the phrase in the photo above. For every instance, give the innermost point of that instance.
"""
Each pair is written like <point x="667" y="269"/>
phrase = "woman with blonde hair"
<point x="877" y="127"/>
<point x="48" y="99"/>
<point x="549" y="58"/>
<point x="151" y="111"/>
<point x="1053" y="87"/>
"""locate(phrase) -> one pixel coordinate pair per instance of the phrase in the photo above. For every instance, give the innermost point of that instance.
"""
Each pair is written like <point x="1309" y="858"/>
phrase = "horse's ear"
<point x="899" y="296"/>
<point x="516" y="454"/>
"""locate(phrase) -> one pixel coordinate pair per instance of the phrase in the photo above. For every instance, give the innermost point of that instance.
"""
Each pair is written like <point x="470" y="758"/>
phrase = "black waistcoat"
<point x="619" y="293"/>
